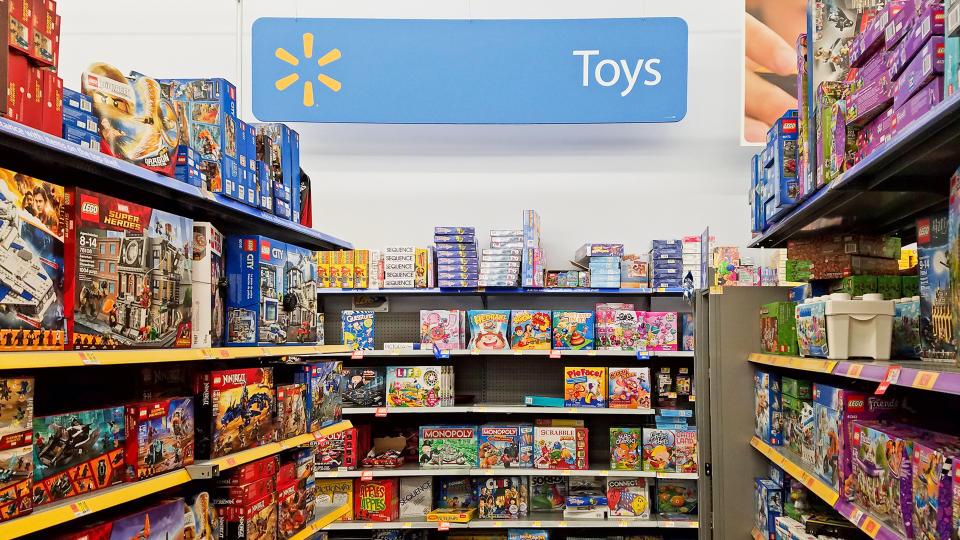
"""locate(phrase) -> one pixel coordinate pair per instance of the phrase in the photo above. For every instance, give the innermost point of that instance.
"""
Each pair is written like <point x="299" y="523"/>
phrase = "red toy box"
<point x="159" y="437"/>
<point x="377" y="500"/>
<point x="250" y="472"/>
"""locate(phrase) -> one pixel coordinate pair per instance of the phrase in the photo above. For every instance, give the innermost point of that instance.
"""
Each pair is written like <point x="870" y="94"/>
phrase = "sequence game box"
<point x="573" y="329"/>
<point x="489" y="328"/>
<point x="560" y="447"/>
<point x="502" y="497"/>
<point x="132" y="268"/>
<point x="416" y="496"/>
<point x="448" y="446"/>
<point x="16" y="445"/>
<point x="159" y="437"/>
<point x="76" y="453"/>
<point x="530" y="329"/>
<point x="32" y="228"/>
<point x="235" y="410"/>
<point x="502" y="445"/>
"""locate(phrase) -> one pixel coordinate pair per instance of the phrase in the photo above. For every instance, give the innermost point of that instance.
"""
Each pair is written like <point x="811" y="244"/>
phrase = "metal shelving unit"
<point x="495" y="291"/>
<point x="548" y="520"/>
<point x="503" y="409"/>
<point x="415" y="470"/>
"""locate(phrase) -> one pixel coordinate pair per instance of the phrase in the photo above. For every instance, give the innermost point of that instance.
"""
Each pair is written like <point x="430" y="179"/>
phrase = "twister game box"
<point x="585" y="387"/>
<point x="489" y="328"/>
<point x="573" y="330"/>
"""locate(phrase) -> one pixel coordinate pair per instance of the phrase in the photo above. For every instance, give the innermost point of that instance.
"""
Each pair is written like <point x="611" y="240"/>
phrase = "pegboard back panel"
<point x="388" y="327"/>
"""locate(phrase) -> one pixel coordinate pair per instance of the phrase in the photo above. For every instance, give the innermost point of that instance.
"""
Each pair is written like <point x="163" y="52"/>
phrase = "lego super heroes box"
<point x="235" y="410"/>
<point x="127" y="274"/>
<point x="159" y="437"/>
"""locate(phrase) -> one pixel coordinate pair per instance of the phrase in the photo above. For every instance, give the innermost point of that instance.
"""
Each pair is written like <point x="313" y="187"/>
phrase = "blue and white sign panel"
<point x="470" y="71"/>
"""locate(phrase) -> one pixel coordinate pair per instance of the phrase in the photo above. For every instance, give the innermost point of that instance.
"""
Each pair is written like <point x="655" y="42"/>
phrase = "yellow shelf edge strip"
<point x="812" y="483"/>
<point x="319" y="524"/>
<point x="253" y="454"/>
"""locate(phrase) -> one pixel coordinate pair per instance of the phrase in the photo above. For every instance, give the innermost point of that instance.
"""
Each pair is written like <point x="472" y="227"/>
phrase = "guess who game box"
<point x="235" y="410"/>
<point x="127" y="274"/>
<point x="560" y="447"/>
<point x="448" y="446"/>
<point x="159" y="437"/>
<point x="77" y="453"/>
<point x="16" y="446"/>
<point x="377" y="500"/>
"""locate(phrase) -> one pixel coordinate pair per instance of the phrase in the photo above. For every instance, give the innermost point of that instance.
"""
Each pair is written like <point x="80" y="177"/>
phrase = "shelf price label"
<point x="475" y="352"/>
<point x="572" y="410"/>
<point x="925" y="380"/>
<point x="440" y="353"/>
<point x="554" y="353"/>
<point x="498" y="524"/>
<point x="80" y="508"/>
<point x="395" y="352"/>
<point x="518" y="352"/>
<point x="591" y="353"/>
<point x="207" y="354"/>
<point x="231" y="462"/>
<point x="622" y="523"/>
<point x="604" y="472"/>
<point x="854" y="370"/>
<point x="870" y="526"/>
<point x="366" y="475"/>
<point x="643" y="355"/>
<point x="488" y="472"/>
<point x="535" y="523"/>
<point x="368" y="525"/>
<point x="381" y="412"/>
<point x="407" y="525"/>
<point x="443" y="526"/>
<point x="668" y="524"/>
<point x="561" y="524"/>
<point x="89" y="358"/>
<point x="357" y="355"/>
<point x="890" y="377"/>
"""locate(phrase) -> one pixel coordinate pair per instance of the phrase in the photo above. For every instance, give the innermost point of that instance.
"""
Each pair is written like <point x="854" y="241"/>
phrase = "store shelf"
<point x="66" y="510"/>
<point x="935" y="376"/>
<point x="755" y="534"/>
<point x="53" y="359"/>
<point x="44" y="156"/>
<point x="414" y="470"/>
<point x="330" y="514"/>
<point x="493" y="409"/>
<point x="211" y="468"/>
<point x="493" y="291"/>
<point x="547" y="520"/>
<point x="906" y="177"/>
<point x="790" y="463"/>
<point x="518" y="352"/>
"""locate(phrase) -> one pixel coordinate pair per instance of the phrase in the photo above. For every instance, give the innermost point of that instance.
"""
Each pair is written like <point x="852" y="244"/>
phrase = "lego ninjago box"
<point x="159" y="437"/>
<point x="235" y="410"/>
<point x="252" y="521"/>
<point x="32" y="227"/>
<point x="128" y="279"/>
<point x="16" y="446"/>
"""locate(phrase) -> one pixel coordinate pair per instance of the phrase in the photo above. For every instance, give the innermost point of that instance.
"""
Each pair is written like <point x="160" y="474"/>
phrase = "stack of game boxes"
<point x="500" y="264"/>
<point x="247" y="495"/>
<point x="29" y="85"/>
<point x="603" y="261"/>
<point x="691" y="258"/>
<point x="458" y="264"/>
<point x="278" y="170"/>
<point x="79" y="124"/>
<point x="666" y="263"/>
<point x="399" y="264"/>
<point x="347" y="269"/>
<point x="534" y="260"/>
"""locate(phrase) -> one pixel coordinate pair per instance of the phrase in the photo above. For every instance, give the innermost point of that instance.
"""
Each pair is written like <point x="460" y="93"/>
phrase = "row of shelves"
<point x="922" y="375"/>
<point x="55" y="359"/>
<point x="790" y="463"/>
<point x="511" y="409"/>
<point x="508" y="291"/>
<point x="83" y="505"/>
<point x="415" y="470"/>
<point x="329" y="513"/>
<point x="539" y="520"/>
<point x="552" y="353"/>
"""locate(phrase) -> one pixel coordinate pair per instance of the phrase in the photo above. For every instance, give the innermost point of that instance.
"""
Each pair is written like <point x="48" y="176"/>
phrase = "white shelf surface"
<point x="513" y="352"/>
<point x="415" y="470"/>
<point x="508" y="409"/>
<point x="550" y="520"/>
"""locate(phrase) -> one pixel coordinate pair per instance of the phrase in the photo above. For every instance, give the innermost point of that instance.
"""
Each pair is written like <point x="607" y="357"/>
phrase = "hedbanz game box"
<point x="32" y="227"/>
<point x="16" y="445"/>
<point x="489" y="329"/>
<point x="131" y="274"/>
<point x="159" y="437"/>
<point x="235" y="410"/>
<point x="76" y="453"/>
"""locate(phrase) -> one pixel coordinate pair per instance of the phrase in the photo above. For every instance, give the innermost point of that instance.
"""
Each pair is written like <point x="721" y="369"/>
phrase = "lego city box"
<point x="32" y="228"/>
<point x="208" y="314"/>
<point x="159" y="437"/>
<point x="16" y="446"/>
<point x="255" y="272"/>
<point x="77" y="452"/>
<point x="300" y="296"/>
<point x="235" y="410"/>
<point x="129" y="275"/>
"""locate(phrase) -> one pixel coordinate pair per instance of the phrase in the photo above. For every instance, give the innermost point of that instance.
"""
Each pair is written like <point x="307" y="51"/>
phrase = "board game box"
<point x="505" y="445"/>
<point x="364" y="386"/>
<point x="457" y="492"/>
<point x="338" y="491"/>
<point x="342" y="450"/>
<point x="443" y="328"/>
<point x="16" y="445"/>
<point x="585" y="387"/>
<point x="358" y="329"/>
<point x="416" y="496"/>
<point x="548" y="493"/>
<point x="32" y="228"/>
<point x="620" y="330"/>
<point x="530" y="329"/>
<point x="76" y="453"/>
<point x="127" y="274"/>
<point x="502" y="497"/>
<point x="628" y="497"/>
<point x="560" y="447"/>
<point x="573" y="330"/>
<point x="414" y="386"/>
<point x="235" y="410"/>
<point x="291" y="411"/>
<point x="159" y="437"/>
<point x="661" y="330"/>
<point x="676" y="496"/>
<point x="670" y="450"/>
<point x="629" y="388"/>
<point x="489" y="328"/>
<point x="377" y="499"/>
<point x="448" y="447"/>
<point x="625" y="448"/>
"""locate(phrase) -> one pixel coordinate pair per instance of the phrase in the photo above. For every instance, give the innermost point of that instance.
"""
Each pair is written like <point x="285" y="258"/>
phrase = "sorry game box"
<point x="16" y="446"/>
<point x="502" y="497"/>
<point x="235" y="410"/>
<point x="448" y="447"/>
<point x="530" y="329"/>
<point x="573" y="329"/>
<point x="489" y="328"/>
<point x="32" y="228"/>
<point x="505" y="445"/>
<point x="548" y="493"/>
<point x="159" y="437"/>
<point x="131" y="283"/>
<point x="585" y="387"/>
<point x="559" y="447"/>
<point x="76" y="453"/>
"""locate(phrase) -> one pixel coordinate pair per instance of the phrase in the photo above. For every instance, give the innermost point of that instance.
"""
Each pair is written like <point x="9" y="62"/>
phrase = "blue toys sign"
<point x="417" y="71"/>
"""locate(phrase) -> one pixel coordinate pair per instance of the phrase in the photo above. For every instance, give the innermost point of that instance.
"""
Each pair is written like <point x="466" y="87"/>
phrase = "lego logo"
<point x="923" y="231"/>
<point x="249" y="245"/>
<point x="90" y="208"/>
<point x="216" y="380"/>
<point x="789" y="126"/>
<point x="93" y="81"/>
<point x="265" y="250"/>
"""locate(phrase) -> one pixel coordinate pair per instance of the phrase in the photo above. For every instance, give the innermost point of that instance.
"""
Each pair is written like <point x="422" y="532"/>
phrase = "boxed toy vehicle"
<point x="132" y="274"/>
<point x="291" y="410"/>
<point x="159" y="437"/>
<point x="676" y="496"/>
<point x="670" y="450"/>
<point x="625" y="448"/>
<point x="137" y="124"/>
<point x="300" y="282"/>
<point x="358" y="329"/>
<point x="488" y="329"/>
<point x="255" y="271"/>
<point x="415" y="386"/>
<point x="769" y="411"/>
<point x="32" y="230"/>
<point x="363" y="386"/>
<point x="77" y="452"/>
<point x="531" y="329"/>
<point x="505" y="445"/>
<point x="502" y="497"/>
<point x="585" y="387"/>
<point x="342" y="450"/>
<point x="377" y="500"/>
<point x="548" y="493"/>
<point x="17" y="443"/>
<point x="416" y="496"/>
<point x="937" y="337"/>
<point x="165" y="520"/>
<point x="629" y="388"/>
<point x="573" y="329"/>
<point x="628" y="497"/>
<point x="560" y="447"/>
<point x="235" y="410"/>
<point x="336" y="491"/>
<point x="443" y="328"/>
<point x="778" y="328"/>
<point x="208" y="314"/>
<point x="448" y="446"/>
<point x="661" y="330"/>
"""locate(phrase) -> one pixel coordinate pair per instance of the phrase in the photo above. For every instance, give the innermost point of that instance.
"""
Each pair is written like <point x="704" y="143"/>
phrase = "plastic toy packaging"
<point x="661" y="330"/>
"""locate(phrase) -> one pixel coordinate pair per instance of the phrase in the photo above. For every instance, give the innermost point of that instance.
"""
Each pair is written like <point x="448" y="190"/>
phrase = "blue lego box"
<point x="253" y="184"/>
<point x="454" y="230"/>
<point x="255" y="272"/>
<point x="281" y="208"/>
<point x="264" y="187"/>
<point x="81" y="119"/>
<point x="246" y="156"/>
<point x="295" y="172"/>
<point x="77" y="100"/>
<point x="82" y="137"/>
<point x="768" y="426"/>
<point x="358" y="329"/>
<point x="300" y="280"/>
<point x="186" y="169"/>
<point x="769" y="506"/>
<point x="782" y="142"/>
<point x="274" y="149"/>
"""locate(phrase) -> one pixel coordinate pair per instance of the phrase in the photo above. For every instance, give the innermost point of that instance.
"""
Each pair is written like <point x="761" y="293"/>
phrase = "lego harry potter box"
<point x="129" y="282"/>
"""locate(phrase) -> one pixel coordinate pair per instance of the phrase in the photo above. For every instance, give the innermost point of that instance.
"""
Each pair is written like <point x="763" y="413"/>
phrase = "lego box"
<point x="207" y="315"/>
<point x="291" y="410"/>
<point x="132" y="274"/>
<point x="16" y="445"/>
<point x="255" y="272"/>
<point x="448" y="447"/>
<point x="560" y="447"/>
<point x="159" y="437"/>
<point x="235" y="410"/>
<point x="300" y="281"/>
<point x="778" y="328"/>
<point x="769" y="412"/>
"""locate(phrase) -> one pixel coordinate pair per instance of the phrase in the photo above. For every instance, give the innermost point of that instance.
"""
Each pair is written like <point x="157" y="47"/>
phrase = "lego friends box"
<point x="129" y="283"/>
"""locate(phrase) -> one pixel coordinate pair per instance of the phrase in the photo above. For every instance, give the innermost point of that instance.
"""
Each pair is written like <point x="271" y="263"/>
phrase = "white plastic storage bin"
<point x="859" y="328"/>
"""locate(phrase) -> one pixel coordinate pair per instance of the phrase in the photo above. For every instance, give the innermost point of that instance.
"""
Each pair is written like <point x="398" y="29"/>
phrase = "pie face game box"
<point x="585" y="387"/>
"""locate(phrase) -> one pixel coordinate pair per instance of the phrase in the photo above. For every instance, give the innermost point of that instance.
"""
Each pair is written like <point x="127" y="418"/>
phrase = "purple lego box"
<point x="872" y="97"/>
<point x="877" y="132"/>
<point x="919" y="33"/>
<point x="454" y="230"/>
<point x="871" y="39"/>
<point x="902" y="21"/>
<point x="921" y="102"/>
<point x="922" y="69"/>
<point x="444" y="283"/>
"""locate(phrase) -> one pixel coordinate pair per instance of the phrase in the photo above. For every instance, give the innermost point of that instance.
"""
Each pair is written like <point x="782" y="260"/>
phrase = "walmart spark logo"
<point x="285" y="82"/>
